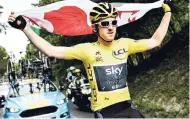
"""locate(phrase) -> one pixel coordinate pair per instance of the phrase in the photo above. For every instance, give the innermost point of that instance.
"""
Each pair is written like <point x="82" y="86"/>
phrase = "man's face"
<point x="78" y="74"/>
<point x="107" y="28"/>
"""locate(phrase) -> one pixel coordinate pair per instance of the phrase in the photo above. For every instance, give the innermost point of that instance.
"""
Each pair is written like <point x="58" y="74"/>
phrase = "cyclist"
<point x="79" y="77"/>
<point x="105" y="62"/>
<point x="70" y="74"/>
<point x="77" y="73"/>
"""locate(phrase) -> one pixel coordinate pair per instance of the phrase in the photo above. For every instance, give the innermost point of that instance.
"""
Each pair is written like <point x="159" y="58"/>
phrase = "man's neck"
<point x="105" y="43"/>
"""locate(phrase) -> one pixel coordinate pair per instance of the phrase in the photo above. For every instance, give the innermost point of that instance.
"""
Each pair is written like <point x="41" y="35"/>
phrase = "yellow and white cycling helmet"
<point x="102" y="11"/>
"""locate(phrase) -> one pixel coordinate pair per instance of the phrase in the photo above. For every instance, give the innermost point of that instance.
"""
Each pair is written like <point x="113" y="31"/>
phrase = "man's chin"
<point x="110" y="39"/>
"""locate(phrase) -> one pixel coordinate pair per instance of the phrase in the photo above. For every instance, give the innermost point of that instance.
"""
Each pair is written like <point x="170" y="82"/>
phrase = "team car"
<point x="35" y="98"/>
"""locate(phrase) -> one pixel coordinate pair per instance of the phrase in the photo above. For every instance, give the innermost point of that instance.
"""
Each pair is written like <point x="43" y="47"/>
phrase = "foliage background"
<point x="3" y="62"/>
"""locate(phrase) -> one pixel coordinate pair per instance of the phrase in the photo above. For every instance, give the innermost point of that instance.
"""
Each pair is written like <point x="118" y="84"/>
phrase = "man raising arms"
<point x="105" y="60"/>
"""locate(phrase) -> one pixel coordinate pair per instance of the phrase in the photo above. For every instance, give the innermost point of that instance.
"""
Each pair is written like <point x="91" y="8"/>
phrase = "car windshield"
<point x="31" y="88"/>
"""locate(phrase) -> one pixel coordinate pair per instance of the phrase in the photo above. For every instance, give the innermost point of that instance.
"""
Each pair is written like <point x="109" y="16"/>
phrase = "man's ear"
<point x="94" y="28"/>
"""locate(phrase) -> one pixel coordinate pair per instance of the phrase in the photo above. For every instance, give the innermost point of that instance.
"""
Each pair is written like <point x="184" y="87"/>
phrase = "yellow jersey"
<point x="106" y="68"/>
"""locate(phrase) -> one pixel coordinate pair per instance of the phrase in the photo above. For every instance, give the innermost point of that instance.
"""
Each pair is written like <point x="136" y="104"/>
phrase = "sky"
<point x="15" y="40"/>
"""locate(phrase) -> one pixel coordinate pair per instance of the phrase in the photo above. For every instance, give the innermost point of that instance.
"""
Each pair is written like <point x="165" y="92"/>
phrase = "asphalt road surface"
<point x="75" y="112"/>
<point x="1" y="113"/>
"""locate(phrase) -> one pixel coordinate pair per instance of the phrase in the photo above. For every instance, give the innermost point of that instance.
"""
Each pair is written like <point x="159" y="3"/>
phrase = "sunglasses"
<point x="107" y="23"/>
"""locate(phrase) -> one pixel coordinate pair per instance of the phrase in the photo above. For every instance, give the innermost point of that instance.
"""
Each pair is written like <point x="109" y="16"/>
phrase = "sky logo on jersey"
<point x="113" y="70"/>
<point x="120" y="54"/>
<point x="111" y="77"/>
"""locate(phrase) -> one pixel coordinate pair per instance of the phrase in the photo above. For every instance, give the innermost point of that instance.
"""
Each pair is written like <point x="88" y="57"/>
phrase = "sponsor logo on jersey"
<point x="94" y="93"/>
<point x="113" y="70"/>
<point x="98" y="57"/>
<point x="98" y="53"/>
<point x="120" y="54"/>
<point x="106" y="98"/>
<point x="111" y="77"/>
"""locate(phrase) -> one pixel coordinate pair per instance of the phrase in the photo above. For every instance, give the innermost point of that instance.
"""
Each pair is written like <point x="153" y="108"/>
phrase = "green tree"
<point x="31" y="51"/>
<point x="3" y="61"/>
<point x="46" y="2"/>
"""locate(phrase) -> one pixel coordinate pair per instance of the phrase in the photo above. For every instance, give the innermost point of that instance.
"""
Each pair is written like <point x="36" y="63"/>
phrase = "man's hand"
<point x="18" y="22"/>
<point x="166" y="8"/>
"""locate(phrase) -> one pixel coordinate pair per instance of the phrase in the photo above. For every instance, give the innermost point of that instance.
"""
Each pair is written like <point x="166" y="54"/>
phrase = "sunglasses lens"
<point x="108" y="23"/>
<point x="105" y="23"/>
<point x="114" y="22"/>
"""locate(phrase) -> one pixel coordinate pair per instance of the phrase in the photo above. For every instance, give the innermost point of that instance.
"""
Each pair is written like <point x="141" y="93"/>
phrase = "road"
<point x="75" y="113"/>
<point x="1" y="113"/>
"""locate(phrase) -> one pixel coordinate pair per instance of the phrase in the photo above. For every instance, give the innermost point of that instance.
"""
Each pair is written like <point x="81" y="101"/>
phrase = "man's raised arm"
<point x="44" y="46"/>
<point x="161" y="31"/>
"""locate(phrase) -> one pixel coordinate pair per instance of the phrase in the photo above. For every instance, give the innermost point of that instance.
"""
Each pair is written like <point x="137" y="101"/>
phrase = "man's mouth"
<point x="110" y="32"/>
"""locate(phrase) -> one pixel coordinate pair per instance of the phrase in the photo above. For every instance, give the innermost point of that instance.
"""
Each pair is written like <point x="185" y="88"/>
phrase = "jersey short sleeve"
<point x="135" y="46"/>
<point x="76" y="52"/>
